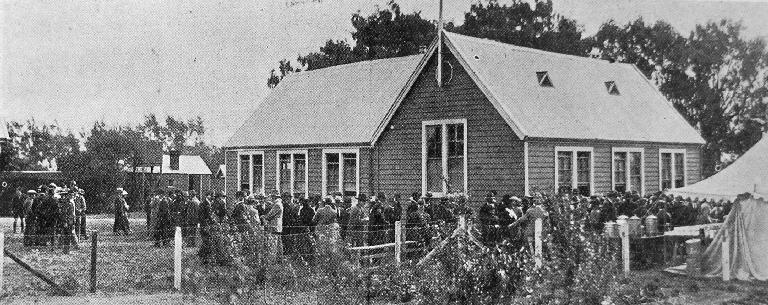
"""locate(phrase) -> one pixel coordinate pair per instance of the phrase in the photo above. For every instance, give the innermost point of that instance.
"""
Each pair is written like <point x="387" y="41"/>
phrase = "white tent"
<point x="748" y="174"/>
<point x="747" y="230"/>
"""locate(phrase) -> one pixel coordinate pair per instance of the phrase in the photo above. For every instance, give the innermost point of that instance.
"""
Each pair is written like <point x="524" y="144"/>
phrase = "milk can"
<point x="652" y="225"/>
<point x="634" y="226"/>
<point x="610" y="229"/>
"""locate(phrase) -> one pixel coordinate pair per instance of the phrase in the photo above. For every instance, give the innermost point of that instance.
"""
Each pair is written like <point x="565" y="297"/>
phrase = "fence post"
<point x="94" y="244"/>
<point x="537" y="242"/>
<point x="398" y="243"/>
<point x="177" y="259"/>
<point x="726" y="258"/>
<point x="624" y="234"/>
<point x="2" y="259"/>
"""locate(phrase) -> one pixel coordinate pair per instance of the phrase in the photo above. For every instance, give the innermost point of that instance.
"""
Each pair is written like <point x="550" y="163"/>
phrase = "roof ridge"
<point x="356" y="63"/>
<point x="530" y="50"/>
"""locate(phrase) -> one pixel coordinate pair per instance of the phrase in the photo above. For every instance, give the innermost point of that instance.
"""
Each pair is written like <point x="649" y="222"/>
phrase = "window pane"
<point x="434" y="141"/>
<point x="258" y="170"/>
<point x="456" y="174"/>
<point x="455" y="140"/>
<point x="679" y="170"/>
<point x="564" y="169"/>
<point x="299" y="166"/>
<point x="583" y="170"/>
<point x="636" y="171"/>
<point x="331" y="173"/>
<point x="350" y="174"/>
<point x="285" y="173"/>
<point x="245" y="165"/>
<point x="666" y="171"/>
<point x="620" y="171"/>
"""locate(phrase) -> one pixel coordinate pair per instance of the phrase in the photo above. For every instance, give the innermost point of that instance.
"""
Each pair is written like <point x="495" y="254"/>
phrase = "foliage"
<point x="36" y="146"/>
<point x="175" y="133"/>
<point x="520" y="24"/>
<point x="386" y="33"/>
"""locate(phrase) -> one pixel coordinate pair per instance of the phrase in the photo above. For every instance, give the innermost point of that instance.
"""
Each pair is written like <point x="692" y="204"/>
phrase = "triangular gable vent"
<point x="544" y="80"/>
<point x="612" y="88"/>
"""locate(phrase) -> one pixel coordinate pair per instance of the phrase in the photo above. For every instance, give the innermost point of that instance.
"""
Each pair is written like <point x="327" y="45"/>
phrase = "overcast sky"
<point x="77" y="61"/>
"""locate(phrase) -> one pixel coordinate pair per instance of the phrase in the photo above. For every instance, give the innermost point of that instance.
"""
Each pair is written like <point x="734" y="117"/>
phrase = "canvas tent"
<point x="748" y="174"/>
<point x="747" y="230"/>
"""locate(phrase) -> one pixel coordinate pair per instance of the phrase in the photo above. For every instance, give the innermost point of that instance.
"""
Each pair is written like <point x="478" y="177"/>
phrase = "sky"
<point x="76" y="61"/>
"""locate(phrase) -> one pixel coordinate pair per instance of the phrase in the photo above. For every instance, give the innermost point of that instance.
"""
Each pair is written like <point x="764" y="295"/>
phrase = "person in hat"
<point x="121" y="224"/>
<point x="377" y="224"/>
<point x="31" y="222"/>
<point x="66" y="223"/>
<point x="327" y="229"/>
<point x="78" y="196"/>
<point x="358" y="222"/>
<point x="274" y="226"/>
<point x="219" y="207"/>
<point x="191" y="219"/>
<point x="489" y="220"/>
<point x="17" y="208"/>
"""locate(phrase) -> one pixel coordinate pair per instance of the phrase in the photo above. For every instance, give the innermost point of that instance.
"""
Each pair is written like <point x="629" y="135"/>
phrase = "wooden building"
<point x="503" y="118"/>
<point x="184" y="172"/>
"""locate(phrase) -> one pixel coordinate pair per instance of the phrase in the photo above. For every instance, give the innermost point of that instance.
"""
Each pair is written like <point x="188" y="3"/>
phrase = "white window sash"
<point x="444" y="150"/>
<point x="250" y="154"/>
<point x="574" y="150"/>
<point x="627" y="162"/>
<point x="293" y="171"/>
<point x="673" y="169"/>
<point x="340" y="152"/>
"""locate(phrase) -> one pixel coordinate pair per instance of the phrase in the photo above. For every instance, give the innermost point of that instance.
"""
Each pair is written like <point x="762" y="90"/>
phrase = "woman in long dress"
<point x="327" y="229"/>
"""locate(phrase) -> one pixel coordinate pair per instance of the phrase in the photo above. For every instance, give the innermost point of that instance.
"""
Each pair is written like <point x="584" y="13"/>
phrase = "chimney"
<point x="174" y="155"/>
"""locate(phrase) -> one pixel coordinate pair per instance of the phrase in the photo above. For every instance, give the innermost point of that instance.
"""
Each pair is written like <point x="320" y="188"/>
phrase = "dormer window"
<point x="543" y="78"/>
<point x="612" y="88"/>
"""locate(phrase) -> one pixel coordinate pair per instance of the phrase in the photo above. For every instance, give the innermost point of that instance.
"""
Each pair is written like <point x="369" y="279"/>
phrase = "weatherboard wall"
<point x="495" y="155"/>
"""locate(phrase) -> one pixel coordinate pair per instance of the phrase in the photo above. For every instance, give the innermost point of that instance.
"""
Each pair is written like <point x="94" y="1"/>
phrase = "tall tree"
<point x="524" y="25"/>
<point x="386" y="33"/>
<point x="38" y="146"/>
<point x="174" y="133"/>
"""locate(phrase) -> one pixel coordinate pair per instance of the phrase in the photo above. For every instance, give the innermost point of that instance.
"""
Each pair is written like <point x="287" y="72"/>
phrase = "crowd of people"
<point x="512" y="218"/>
<point x="51" y="215"/>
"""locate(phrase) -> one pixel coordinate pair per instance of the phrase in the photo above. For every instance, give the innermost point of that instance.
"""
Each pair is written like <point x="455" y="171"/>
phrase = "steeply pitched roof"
<point x="578" y="105"/>
<point x="188" y="164"/>
<point x="335" y="105"/>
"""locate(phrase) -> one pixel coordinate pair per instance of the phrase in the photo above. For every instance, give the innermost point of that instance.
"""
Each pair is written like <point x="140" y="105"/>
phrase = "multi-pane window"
<point x="341" y="171"/>
<point x="573" y="169"/>
<point x="245" y="163"/>
<point x="331" y="173"/>
<point x="671" y="168"/>
<point x="434" y="158"/>
<point x="628" y="169"/>
<point x="251" y="172"/>
<point x="444" y="156"/>
<point x="349" y="174"/>
<point x="292" y="173"/>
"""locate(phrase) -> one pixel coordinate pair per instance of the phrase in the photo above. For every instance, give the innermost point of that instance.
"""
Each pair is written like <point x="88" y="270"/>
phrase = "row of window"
<point x="340" y="172"/>
<point x="574" y="169"/>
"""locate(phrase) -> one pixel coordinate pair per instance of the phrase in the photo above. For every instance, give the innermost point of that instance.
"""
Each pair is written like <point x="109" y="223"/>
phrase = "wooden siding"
<point x="231" y="186"/>
<point x="542" y="163"/>
<point x="495" y="156"/>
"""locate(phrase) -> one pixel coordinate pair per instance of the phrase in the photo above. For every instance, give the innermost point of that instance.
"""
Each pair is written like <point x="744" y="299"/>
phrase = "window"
<point x="628" y="170"/>
<point x="543" y="78"/>
<point x="672" y="168"/>
<point x="250" y="171"/>
<point x="444" y="159"/>
<point x="612" y="88"/>
<point x="292" y="173"/>
<point x="341" y="171"/>
<point x="574" y="169"/>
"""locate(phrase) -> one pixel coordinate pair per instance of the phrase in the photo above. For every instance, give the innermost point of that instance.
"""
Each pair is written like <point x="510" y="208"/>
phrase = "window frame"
<point x="444" y="152"/>
<point x="340" y="152"/>
<point x="293" y="172"/>
<point x="627" y="163"/>
<point x="250" y="154"/>
<point x="574" y="150"/>
<point x="673" y="170"/>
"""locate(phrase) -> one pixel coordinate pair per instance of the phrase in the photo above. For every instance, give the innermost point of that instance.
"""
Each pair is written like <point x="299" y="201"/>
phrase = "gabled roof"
<point x="578" y="105"/>
<point x="336" y="105"/>
<point x="222" y="171"/>
<point x="188" y="165"/>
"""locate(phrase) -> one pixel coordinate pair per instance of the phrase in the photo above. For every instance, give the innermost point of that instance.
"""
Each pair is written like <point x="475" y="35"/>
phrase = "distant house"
<point x="505" y="118"/>
<point x="184" y="172"/>
<point x="218" y="179"/>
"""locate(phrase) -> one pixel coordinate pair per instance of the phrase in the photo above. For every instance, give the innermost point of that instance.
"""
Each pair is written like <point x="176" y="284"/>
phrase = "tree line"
<point x="717" y="79"/>
<point x="99" y="158"/>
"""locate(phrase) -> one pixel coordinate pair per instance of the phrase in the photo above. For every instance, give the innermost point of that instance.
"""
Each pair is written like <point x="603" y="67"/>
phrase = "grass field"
<point x="131" y="270"/>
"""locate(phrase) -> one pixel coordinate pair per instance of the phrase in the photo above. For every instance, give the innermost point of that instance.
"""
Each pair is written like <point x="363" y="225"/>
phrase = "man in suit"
<point x="274" y="219"/>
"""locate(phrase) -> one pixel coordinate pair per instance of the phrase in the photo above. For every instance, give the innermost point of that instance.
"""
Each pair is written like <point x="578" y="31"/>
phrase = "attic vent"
<point x="543" y="78"/>
<point x="612" y="88"/>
